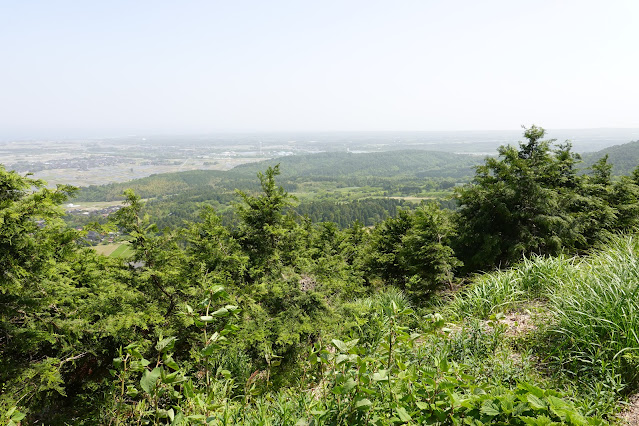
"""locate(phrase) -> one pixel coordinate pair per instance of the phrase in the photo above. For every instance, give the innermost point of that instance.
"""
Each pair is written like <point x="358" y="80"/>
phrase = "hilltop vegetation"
<point x="275" y="319"/>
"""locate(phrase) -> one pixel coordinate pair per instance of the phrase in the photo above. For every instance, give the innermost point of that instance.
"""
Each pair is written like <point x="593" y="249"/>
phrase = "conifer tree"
<point x="516" y="204"/>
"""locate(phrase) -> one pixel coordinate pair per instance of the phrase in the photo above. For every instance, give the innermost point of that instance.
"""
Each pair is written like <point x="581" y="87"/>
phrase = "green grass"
<point x="117" y="250"/>
<point x="122" y="252"/>
<point x="588" y="324"/>
<point x="533" y="280"/>
<point x="502" y="291"/>
<point x="106" y="249"/>
<point x="596" y="314"/>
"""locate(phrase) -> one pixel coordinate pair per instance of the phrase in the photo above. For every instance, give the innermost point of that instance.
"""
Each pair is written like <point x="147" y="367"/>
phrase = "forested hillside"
<point x="277" y="319"/>
<point x="336" y="187"/>
<point x="345" y="169"/>
<point x="378" y="164"/>
<point x="624" y="158"/>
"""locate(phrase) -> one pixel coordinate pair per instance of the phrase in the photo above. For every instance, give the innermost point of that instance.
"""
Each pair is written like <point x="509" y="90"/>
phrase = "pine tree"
<point x="517" y="204"/>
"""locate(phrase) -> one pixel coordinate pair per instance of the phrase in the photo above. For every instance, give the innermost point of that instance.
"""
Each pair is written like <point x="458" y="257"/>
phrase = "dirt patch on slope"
<point x="518" y="323"/>
<point x="631" y="414"/>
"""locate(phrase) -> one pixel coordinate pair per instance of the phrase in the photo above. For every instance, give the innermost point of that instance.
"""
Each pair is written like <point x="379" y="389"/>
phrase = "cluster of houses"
<point x="79" y="163"/>
<point x="91" y="211"/>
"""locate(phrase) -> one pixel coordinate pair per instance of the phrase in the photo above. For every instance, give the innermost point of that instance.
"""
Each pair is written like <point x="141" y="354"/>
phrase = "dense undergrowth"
<point x="389" y="374"/>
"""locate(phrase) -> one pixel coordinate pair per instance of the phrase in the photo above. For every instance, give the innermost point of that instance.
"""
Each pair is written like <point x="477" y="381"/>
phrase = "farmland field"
<point x="123" y="251"/>
<point x="119" y="250"/>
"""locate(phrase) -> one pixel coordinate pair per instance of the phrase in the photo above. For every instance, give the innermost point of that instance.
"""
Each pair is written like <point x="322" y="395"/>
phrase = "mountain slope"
<point x="624" y="158"/>
<point x="324" y="166"/>
<point x="409" y="163"/>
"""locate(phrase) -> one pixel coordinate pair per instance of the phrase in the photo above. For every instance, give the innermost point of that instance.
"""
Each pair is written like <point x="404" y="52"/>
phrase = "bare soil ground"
<point x="631" y="414"/>
<point x="518" y="323"/>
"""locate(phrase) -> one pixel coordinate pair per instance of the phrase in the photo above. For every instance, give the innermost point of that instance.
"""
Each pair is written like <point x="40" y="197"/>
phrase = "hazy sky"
<point x="98" y="68"/>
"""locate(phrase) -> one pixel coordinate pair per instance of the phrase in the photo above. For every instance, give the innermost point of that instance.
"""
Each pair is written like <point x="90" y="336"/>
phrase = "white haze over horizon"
<point x="92" y="69"/>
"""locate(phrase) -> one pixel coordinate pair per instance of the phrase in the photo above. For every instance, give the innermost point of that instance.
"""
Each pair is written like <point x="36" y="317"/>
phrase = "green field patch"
<point x="413" y="199"/>
<point x="106" y="249"/>
<point x="118" y="250"/>
<point x="123" y="252"/>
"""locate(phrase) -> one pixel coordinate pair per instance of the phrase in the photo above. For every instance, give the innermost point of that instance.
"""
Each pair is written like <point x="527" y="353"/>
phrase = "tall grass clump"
<point x="540" y="276"/>
<point x="531" y="280"/>
<point x="488" y="293"/>
<point x="596" y="312"/>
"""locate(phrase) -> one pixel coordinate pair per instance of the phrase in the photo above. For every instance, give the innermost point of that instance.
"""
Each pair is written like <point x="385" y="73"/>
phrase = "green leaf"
<point x="520" y="408"/>
<point x="538" y="392"/>
<point x="217" y="290"/>
<point x="367" y="391"/>
<point x="170" y="362"/>
<point x="508" y="404"/>
<point x="575" y="418"/>
<point x="380" y="376"/>
<point x="149" y="379"/>
<point x="338" y="390"/>
<point x="443" y="365"/>
<point x="132" y="391"/>
<point x="403" y="415"/>
<point x="214" y="337"/>
<point x="17" y="416"/>
<point x="340" y="359"/>
<point x="535" y="402"/>
<point x="134" y="352"/>
<point x="557" y="402"/>
<point x="138" y="365"/>
<point x="489" y="408"/>
<point x="349" y="385"/>
<point x="222" y="312"/>
<point x="538" y="421"/>
<point x="165" y="344"/>
<point x="169" y="378"/>
<point x="345" y="346"/>
<point x="229" y="328"/>
<point x="455" y="399"/>
<point x="189" y="390"/>
<point x="117" y="363"/>
<point x="422" y="405"/>
<point x="363" y="404"/>
<point x="196" y="417"/>
<point x="209" y="349"/>
<point x="341" y="346"/>
<point x="558" y="406"/>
